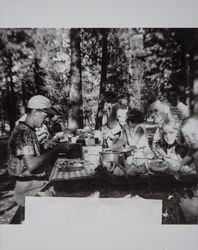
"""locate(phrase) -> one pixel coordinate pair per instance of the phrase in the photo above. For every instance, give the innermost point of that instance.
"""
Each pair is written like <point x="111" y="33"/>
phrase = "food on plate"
<point x="71" y="165"/>
<point x="77" y="165"/>
<point x="158" y="166"/>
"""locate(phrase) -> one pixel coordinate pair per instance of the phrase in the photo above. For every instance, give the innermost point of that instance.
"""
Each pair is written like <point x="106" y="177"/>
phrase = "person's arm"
<point x="187" y="160"/>
<point x="127" y="135"/>
<point x="34" y="162"/>
<point x="186" y="111"/>
<point x="54" y="140"/>
<point x="156" y="138"/>
<point x="138" y="134"/>
<point x="114" y="132"/>
<point x="124" y="136"/>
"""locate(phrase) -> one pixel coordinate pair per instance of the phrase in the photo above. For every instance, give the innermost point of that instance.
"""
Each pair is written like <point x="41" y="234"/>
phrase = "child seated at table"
<point x="168" y="148"/>
<point x="115" y="135"/>
<point x="134" y="134"/>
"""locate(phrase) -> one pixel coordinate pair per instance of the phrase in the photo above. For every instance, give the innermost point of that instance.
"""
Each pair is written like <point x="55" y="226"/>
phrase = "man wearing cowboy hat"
<point x="25" y="160"/>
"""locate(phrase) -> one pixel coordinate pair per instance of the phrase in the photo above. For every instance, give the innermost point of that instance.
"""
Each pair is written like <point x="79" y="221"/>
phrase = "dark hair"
<point x="152" y="100"/>
<point x="122" y="96"/>
<point x="110" y="96"/>
<point x="135" y="116"/>
<point x="173" y="89"/>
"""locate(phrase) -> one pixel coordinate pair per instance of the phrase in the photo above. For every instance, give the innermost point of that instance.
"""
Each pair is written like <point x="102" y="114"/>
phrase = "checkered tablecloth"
<point x="59" y="174"/>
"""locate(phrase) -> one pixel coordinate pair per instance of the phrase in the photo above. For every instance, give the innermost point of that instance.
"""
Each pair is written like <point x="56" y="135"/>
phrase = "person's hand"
<point x="174" y="168"/>
<point x="185" y="169"/>
<point x="109" y="134"/>
<point x="59" y="135"/>
<point x="50" y="144"/>
<point x="27" y="173"/>
<point x="66" y="136"/>
<point x="171" y="161"/>
<point x="115" y="138"/>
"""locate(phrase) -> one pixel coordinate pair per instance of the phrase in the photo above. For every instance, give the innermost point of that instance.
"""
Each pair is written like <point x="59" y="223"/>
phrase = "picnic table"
<point x="87" y="180"/>
<point x="60" y="173"/>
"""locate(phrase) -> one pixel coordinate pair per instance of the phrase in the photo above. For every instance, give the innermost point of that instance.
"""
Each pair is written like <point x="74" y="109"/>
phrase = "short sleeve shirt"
<point x="23" y="141"/>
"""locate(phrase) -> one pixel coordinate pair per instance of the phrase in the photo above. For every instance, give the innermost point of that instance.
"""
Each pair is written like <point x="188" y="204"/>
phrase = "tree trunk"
<point x="11" y="96"/>
<point x="195" y="73"/>
<point x="37" y="80"/>
<point x="3" y="110"/>
<point x="75" y="109"/>
<point x="24" y="95"/>
<point x="103" y="78"/>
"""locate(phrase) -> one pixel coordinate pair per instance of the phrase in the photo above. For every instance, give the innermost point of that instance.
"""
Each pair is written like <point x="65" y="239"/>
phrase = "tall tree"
<point x="91" y="54"/>
<point x="104" y="64"/>
<point x="15" y="58"/>
<point x="38" y="77"/>
<point x="8" y="63"/>
<point x="11" y="95"/>
<point x="125" y="67"/>
<point x="75" y="107"/>
<point x="194" y="86"/>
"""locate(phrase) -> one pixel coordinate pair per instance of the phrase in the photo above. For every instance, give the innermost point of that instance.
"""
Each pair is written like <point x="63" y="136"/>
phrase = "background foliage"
<point x="141" y="62"/>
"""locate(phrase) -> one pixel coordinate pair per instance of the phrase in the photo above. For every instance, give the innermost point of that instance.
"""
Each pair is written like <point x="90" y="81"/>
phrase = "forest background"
<point x="75" y="67"/>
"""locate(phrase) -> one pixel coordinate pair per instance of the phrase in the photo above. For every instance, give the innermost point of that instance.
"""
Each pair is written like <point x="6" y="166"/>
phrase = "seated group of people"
<point x="175" y="139"/>
<point x="125" y="126"/>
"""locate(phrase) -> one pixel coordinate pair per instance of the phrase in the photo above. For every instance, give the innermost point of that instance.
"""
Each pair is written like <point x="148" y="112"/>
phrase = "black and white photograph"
<point x="99" y="113"/>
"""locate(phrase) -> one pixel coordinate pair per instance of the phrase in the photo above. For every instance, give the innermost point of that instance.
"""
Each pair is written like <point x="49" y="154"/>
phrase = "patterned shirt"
<point x="23" y="141"/>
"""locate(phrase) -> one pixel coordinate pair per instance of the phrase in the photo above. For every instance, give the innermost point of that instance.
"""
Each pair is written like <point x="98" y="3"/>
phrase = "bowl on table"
<point x="110" y="156"/>
<point x="157" y="166"/>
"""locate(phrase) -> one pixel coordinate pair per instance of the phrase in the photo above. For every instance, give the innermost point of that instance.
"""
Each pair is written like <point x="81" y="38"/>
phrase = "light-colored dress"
<point x="138" y="137"/>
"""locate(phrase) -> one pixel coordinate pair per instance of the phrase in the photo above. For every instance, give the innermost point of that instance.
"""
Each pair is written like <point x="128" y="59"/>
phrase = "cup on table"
<point x="98" y="136"/>
<point x="92" y="155"/>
